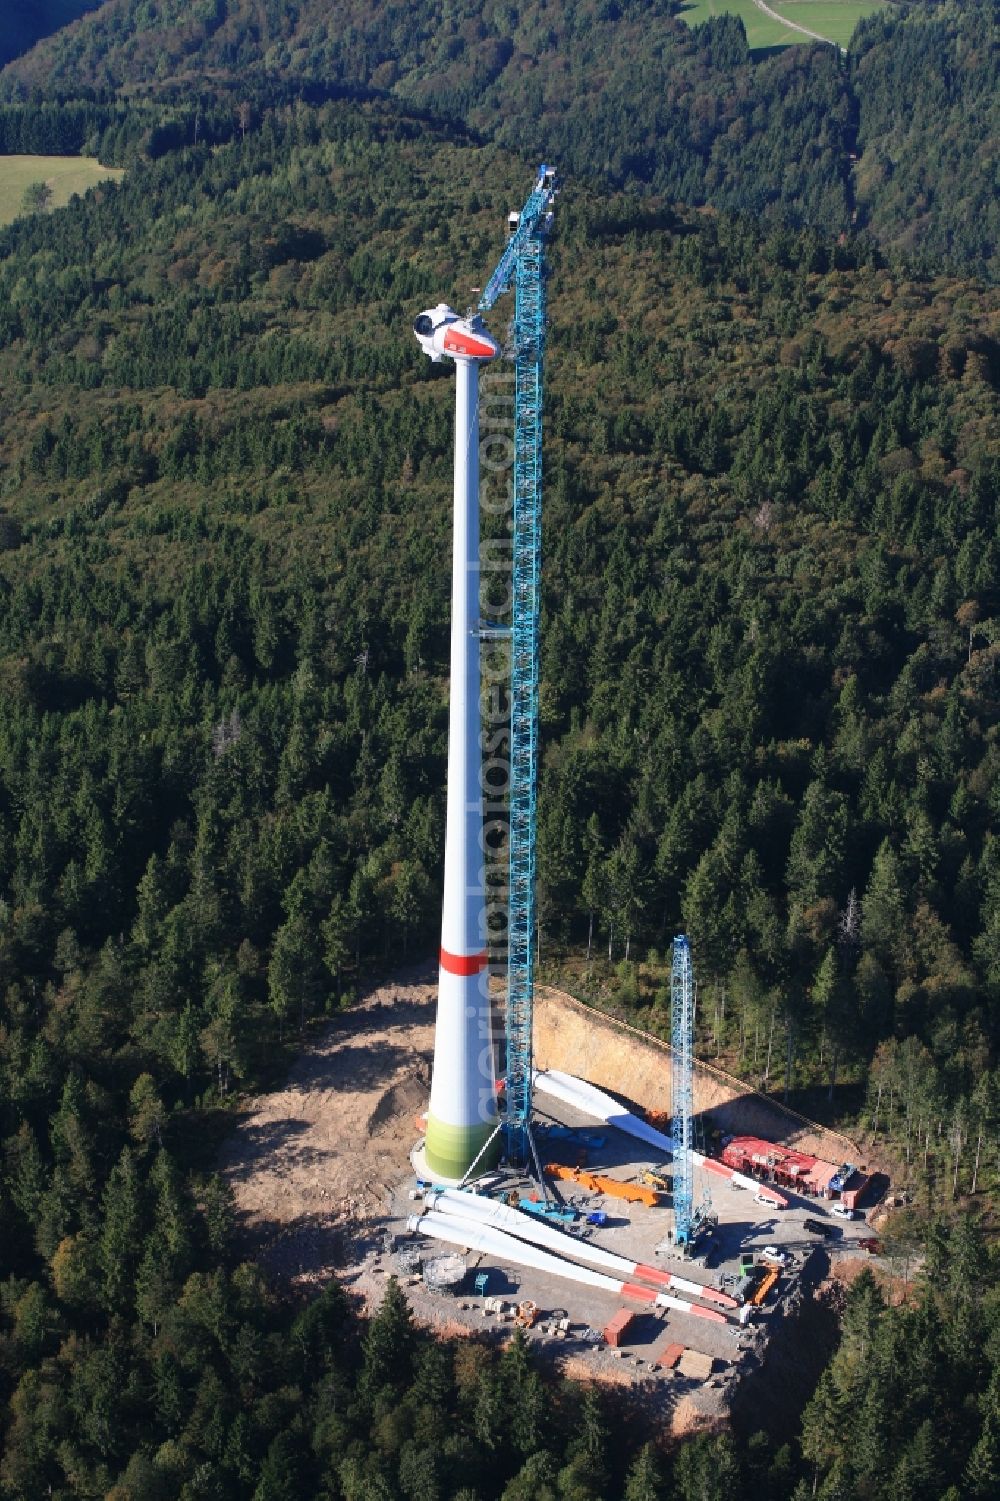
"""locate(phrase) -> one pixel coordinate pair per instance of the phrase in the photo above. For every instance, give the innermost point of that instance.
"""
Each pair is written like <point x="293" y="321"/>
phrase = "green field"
<point x="761" y="30"/>
<point x="65" y="175"/>
<point x="833" y="19"/>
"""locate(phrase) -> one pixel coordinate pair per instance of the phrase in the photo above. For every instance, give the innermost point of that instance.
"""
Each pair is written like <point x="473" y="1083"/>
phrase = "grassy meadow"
<point x="761" y="30"/>
<point x="65" y="175"/>
<point x="833" y="19"/>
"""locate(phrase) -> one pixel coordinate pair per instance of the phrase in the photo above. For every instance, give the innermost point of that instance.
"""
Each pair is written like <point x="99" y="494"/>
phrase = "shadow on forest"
<point x="813" y="1100"/>
<point x="383" y="1016"/>
<point x="759" y="54"/>
<point x="306" y="1246"/>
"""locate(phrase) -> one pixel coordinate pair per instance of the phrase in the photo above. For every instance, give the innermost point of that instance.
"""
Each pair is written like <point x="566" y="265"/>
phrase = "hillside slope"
<point x="624" y="92"/>
<point x="773" y="485"/>
<point x="770" y="637"/>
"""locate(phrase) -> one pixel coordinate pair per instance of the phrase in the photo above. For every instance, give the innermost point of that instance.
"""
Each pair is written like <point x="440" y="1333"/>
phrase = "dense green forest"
<point x="770" y="701"/>
<point x="879" y="1424"/>
<point x="770" y="714"/>
<point x="621" y="91"/>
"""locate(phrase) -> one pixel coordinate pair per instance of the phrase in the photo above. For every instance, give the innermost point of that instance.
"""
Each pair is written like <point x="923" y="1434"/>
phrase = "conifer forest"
<point x="770" y="690"/>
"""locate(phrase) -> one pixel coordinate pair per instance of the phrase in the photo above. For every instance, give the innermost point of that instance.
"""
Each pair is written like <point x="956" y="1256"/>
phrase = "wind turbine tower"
<point x="462" y="1118"/>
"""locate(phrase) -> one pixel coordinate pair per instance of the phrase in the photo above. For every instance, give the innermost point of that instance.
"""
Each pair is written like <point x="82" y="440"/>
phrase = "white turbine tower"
<point x="463" y="1109"/>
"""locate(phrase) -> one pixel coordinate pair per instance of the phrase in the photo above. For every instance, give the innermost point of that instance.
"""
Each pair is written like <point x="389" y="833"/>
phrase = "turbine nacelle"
<point x="441" y="332"/>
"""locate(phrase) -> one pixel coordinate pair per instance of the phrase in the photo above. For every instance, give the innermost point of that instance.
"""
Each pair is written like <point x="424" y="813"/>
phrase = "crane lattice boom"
<point x="523" y="264"/>
<point x="682" y="1086"/>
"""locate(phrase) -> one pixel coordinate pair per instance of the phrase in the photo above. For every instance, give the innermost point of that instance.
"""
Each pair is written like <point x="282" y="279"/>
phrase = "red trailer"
<point x="770" y="1162"/>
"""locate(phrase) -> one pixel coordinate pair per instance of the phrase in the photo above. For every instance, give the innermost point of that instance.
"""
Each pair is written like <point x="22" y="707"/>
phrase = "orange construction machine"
<point x="632" y="1193"/>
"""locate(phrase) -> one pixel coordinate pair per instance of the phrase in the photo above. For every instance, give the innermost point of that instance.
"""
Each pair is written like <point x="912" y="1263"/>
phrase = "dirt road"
<point x="794" y="25"/>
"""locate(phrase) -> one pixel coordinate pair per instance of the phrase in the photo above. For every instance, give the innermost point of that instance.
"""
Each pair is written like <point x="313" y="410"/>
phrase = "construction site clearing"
<point x="609" y="1192"/>
<point x="762" y="1258"/>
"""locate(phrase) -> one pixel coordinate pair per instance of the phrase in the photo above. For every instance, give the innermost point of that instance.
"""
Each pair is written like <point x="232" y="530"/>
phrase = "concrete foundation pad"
<point x="418" y="1161"/>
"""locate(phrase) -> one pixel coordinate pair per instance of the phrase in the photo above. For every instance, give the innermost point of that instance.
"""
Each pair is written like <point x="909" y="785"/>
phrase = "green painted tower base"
<point x="449" y="1151"/>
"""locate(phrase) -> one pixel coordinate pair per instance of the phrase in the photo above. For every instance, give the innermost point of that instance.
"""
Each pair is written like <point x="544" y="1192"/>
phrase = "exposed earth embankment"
<point x="611" y="1054"/>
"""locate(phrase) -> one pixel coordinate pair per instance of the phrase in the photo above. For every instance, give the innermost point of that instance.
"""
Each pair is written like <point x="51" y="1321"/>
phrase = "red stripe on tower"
<point x="463" y="964"/>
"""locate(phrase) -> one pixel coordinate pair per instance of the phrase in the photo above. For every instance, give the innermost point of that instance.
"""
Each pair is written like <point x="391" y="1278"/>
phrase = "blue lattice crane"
<point x="523" y="264"/>
<point x="682" y="1087"/>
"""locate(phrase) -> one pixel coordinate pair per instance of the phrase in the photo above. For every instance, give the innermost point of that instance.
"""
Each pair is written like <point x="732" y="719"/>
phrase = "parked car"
<point x="842" y="1212"/>
<point x="773" y="1254"/>
<point x="871" y="1244"/>
<point x="816" y="1227"/>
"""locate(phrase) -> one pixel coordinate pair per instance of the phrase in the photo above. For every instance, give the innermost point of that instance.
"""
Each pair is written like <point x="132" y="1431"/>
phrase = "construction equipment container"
<point x="616" y="1330"/>
<point x="851" y="1197"/>
<point x="669" y="1356"/>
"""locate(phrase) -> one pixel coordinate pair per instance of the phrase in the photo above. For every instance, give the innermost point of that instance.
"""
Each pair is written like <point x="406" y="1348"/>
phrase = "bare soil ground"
<point x="311" y="1165"/>
<point x="319" y="1170"/>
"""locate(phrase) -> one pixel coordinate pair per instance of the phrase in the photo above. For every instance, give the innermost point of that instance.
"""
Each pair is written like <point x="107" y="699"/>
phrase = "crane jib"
<point x="531" y="222"/>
